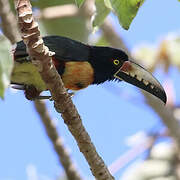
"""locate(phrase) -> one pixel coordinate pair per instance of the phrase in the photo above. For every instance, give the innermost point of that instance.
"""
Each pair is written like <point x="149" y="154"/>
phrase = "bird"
<point x="81" y="65"/>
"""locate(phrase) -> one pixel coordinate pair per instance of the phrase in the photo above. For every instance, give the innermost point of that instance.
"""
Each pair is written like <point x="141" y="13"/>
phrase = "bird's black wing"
<point x="65" y="49"/>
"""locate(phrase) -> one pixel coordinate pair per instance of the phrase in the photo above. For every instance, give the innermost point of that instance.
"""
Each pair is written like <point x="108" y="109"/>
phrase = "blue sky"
<point x="107" y="115"/>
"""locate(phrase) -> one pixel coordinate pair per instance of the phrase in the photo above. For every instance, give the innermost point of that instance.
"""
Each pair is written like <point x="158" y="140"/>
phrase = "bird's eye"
<point x="116" y="62"/>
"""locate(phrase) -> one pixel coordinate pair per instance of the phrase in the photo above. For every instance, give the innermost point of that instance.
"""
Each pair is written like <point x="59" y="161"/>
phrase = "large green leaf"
<point x="79" y="2"/>
<point x="102" y="10"/>
<point x="126" y="10"/>
<point x="5" y="65"/>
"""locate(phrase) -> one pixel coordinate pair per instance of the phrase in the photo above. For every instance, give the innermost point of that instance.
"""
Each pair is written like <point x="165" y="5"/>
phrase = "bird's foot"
<point x="31" y="93"/>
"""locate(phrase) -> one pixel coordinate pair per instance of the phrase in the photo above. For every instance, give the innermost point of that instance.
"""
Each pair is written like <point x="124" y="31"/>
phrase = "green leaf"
<point x="102" y="10"/>
<point x="108" y="4"/>
<point x="6" y="65"/>
<point x="126" y="10"/>
<point x="79" y="2"/>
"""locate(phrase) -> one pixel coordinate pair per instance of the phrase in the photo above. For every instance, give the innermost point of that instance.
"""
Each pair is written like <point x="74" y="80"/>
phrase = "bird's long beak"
<point x="138" y="76"/>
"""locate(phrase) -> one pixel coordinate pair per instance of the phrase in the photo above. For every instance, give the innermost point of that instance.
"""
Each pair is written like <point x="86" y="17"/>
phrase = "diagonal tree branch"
<point x="163" y="111"/>
<point x="42" y="59"/>
<point x="52" y="133"/>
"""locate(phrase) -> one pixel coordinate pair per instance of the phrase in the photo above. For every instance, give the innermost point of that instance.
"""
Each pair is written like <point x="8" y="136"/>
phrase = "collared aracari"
<point x="81" y="65"/>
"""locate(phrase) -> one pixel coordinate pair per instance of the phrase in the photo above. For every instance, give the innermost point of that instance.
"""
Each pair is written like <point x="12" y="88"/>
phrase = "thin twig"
<point x="163" y="111"/>
<point x="62" y="101"/>
<point x="56" y="140"/>
<point x="130" y="155"/>
<point x="9" y="23"/>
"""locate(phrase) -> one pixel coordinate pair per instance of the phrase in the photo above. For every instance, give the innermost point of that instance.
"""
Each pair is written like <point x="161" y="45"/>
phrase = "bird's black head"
<point x="109" y="64"/>
<point x="106" y="61"/>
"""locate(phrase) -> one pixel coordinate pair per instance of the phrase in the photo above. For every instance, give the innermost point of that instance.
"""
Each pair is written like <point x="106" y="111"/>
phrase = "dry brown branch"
<point x="9" y="25"/>
<point x="57" y="142"/>
<point x="163" y="111"/>
<point x="42" y="59"/>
